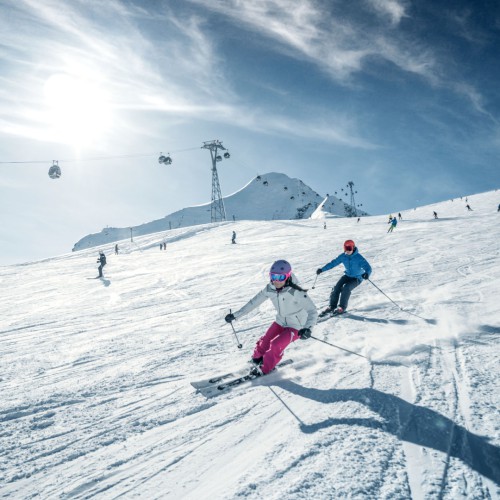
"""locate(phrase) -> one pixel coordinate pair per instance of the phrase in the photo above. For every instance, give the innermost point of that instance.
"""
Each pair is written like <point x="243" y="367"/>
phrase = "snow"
<point x="95" y="374"/>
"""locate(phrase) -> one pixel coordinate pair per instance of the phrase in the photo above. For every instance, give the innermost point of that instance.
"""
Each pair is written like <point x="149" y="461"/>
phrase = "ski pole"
<point x="315" y="279"/>
<point x="338" y="347"/>
<point x="234" y="331"/>
<point x="397" y="305"/>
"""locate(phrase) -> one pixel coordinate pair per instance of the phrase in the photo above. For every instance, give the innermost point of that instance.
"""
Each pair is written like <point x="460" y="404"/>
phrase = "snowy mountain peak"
<point x="272" y="196"/>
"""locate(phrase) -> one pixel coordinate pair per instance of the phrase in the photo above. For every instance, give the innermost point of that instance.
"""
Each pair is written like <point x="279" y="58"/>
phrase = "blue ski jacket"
<point x="355" y="264"/>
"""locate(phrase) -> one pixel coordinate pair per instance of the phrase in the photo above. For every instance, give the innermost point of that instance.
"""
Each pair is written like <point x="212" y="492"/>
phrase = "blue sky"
<point x="400" y="97"/>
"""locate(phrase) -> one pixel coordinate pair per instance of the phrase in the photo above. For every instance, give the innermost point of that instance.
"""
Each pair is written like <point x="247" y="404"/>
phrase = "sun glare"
<point x="78" y="110"/>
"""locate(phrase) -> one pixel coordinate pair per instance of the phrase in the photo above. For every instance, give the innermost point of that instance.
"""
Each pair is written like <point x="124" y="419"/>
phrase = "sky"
<point x="95" y="380"/>
<point x="399" y="97"/>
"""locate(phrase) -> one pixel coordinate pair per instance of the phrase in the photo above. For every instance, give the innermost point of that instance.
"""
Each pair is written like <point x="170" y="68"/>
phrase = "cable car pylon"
<point x="217" y="210"/>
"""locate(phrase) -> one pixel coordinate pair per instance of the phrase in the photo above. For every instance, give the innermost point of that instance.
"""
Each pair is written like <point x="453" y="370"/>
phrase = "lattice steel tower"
<point x="354" y="212"/>
<point x="217" y="210"/>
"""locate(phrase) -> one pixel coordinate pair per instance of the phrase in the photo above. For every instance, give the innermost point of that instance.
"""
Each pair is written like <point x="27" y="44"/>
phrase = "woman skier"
<point x="357" y="269"/>
<point x="296" y="315"/>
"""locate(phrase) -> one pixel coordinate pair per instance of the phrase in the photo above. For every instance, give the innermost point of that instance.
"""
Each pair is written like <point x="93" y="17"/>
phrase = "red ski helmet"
<point x="281" y="267"/>
<point x="349" y="245"/>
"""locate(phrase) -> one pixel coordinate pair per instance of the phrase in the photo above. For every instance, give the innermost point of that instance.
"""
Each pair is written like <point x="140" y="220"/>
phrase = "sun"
<point x="78" y="111"/>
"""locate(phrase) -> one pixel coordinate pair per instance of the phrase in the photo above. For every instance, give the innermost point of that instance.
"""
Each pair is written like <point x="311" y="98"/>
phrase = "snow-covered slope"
<point x="94" y="379"/>
<point x="272" y="196"/>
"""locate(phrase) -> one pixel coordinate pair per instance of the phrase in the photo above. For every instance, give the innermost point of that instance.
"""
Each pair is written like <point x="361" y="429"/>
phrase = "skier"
<point x="498" y="208"/>
<point x="469" y="209"/>
<point x="400" y="217"/>
<point x="101" y="260"/>
<point x="324" y="225"/>
<point x="233" y="238"/>
<point x="357" y="269"/>
<point x="393" y="223"/>
<point x="435" y="215"/>
<point x="116" y="249"/>
<point x="296" y="315"/>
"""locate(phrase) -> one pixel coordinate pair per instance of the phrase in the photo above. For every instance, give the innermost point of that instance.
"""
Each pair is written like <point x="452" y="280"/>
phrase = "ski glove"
<point x="319" y="271"/>
<point x="365" y="276"/>
<point x="230" y="318"/>
<point x="304" y="333"/>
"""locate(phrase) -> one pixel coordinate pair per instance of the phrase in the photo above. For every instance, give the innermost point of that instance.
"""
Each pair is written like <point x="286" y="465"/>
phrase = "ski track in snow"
<point x="96" y="400"/>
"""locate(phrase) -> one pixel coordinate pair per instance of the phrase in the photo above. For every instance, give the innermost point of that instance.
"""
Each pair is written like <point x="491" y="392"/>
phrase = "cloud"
<point x="177" y="72"/>
<point x="337" y="42"/>
<point x="394" y="9"/>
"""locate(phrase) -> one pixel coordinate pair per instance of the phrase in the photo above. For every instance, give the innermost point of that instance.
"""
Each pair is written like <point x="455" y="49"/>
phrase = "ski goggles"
<point x="278" y="277"/>
<point x="348" y="248"/>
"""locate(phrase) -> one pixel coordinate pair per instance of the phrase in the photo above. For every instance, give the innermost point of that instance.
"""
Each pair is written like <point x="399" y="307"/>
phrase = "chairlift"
<point x="166" y="160"/>
<point x="55" y="170"/>
<point x="227" y="155"/>
<point x="218" y="158"/>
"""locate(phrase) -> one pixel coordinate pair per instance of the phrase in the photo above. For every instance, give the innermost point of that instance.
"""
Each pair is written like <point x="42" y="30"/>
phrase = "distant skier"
<point x="233" y="238"/>
<point x="324" y="225"/>
<point x="101" y="260"/>
<point x="469" y="209"/>
<point x="435" y="215"/>
<point x="296" y="316"/>
<point x="393" y="223"/>
<point x="357" y="269"/>
<point x="359" y="218"/>
<point x="400" y="217"/>
<point x="116" y="249"/>
<point x="498" y="210"/>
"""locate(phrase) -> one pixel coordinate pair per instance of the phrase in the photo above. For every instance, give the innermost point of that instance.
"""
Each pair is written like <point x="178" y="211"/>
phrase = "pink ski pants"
<point x="272" y="345"/>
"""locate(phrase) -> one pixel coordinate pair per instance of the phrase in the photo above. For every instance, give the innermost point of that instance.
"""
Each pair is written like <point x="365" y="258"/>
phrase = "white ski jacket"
<point x="294" y="308"/>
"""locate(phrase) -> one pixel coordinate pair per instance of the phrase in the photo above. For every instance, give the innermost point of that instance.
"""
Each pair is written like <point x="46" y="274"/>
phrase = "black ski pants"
<point x="342" y="289"/>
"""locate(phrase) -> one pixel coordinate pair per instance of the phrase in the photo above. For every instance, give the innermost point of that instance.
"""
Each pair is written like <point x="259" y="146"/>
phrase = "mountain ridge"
<point x="272" y="196"/>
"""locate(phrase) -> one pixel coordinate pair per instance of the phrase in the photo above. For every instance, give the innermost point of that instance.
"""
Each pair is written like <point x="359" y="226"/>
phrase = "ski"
<point x="209" y="382"/>
<point x="216" y="387"/>
<point x="324" y="316"/>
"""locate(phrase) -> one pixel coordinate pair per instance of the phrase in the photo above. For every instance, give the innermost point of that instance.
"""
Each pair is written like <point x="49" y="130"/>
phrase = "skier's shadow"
<point x="408" y="422"/>
<point x="105" y="282"/>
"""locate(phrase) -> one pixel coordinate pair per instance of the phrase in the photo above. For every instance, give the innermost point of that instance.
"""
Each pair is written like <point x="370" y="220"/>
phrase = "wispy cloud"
<point x="169" y="61"/>
<point x="108" y="47"/>
<point x="395" y="10"/>
<point x="177" y="72"/>
<point x="336" y="42"/>
<point x="343" y="44"/>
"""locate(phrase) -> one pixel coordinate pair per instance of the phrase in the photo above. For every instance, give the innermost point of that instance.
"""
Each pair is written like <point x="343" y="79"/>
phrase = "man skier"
<point x="357" y="269"/>
<point x="101" y="260"/>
